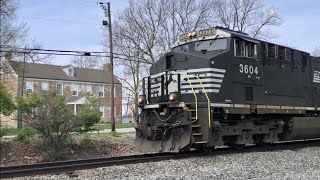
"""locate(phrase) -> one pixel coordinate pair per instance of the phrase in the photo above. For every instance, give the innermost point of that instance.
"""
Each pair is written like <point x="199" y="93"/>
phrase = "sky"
<point x="76" y="24"/>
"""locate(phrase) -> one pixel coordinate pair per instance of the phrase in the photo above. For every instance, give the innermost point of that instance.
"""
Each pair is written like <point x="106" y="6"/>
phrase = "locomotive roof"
<point x="230" y="32"/>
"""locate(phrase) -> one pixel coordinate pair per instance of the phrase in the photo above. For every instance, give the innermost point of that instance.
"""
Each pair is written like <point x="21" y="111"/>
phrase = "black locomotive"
<point x="221" y="87"/>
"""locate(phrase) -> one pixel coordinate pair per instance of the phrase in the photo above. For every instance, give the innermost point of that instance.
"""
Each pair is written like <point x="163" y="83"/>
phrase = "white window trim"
<point x="70" y="72"/>
<point x="103" y="110"/>
<point x="44" y="89"/>
<point x="61" y="88"/>
<point x="77" y="89"/>
<point x="101" y="87"/>
<point x="31" y="85"/>
<point x="86" y="88"/>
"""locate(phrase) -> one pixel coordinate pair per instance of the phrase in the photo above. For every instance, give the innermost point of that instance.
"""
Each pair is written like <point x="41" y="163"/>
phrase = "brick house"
<point x="72" y="82"/>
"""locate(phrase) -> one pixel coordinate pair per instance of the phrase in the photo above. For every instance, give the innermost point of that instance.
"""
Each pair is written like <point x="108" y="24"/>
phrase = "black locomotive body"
<point x="220" y="87"/>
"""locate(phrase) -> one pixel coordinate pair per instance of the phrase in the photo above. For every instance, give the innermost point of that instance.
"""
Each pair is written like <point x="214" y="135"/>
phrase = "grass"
<point x="108" y="126"/>
<point x="10" y="131"/>
<point x="14" y="131"/>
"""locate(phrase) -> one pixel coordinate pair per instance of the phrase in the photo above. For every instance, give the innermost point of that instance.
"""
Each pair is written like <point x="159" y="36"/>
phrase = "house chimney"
<point x="107" y="67"/>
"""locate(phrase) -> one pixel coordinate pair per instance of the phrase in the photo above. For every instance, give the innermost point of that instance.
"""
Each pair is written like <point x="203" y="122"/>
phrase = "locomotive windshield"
<point x="205" y="45"/>
<point x="182" y="48"/>
<point x="211" y="45"/>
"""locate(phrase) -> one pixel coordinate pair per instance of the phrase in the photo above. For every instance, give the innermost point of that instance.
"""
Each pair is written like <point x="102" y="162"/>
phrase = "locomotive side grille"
<point x="211" y="79"/>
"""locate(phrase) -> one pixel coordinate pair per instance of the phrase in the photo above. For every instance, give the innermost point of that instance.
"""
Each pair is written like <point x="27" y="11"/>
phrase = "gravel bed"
<point x="298" y="163"/>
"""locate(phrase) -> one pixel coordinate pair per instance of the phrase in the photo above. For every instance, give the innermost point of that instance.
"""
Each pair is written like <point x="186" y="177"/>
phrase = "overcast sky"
<point x="76" y="24"/>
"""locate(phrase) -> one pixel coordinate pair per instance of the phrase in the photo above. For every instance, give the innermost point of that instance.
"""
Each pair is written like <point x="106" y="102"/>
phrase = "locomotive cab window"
<point x="244" y="48"/>
<point x="211" y="45"/>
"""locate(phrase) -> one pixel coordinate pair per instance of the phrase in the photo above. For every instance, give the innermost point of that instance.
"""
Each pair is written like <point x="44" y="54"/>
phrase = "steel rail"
<point x="72" y="165"/>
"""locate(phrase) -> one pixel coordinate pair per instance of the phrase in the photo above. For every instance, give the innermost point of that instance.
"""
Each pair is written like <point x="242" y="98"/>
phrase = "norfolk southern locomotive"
<point x="221" y="87"/>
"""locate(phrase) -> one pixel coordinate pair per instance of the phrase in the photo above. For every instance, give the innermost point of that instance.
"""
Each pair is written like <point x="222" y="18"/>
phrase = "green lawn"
<point x="10" y="131"/>
<point x="14" y="131"/>
<point x="108" y="126"/>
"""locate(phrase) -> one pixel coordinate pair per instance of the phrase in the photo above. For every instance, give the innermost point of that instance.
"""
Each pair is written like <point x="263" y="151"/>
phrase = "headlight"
<point x="141" y="99"/>
<point x="173" y="96"/>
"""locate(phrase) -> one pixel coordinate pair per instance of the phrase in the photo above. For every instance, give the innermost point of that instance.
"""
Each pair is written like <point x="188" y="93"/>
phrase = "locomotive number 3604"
<point x="248" y="69"/>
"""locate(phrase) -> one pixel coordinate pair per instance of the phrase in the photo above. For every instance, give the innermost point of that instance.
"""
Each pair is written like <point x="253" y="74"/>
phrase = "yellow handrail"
<point x="194" y="94"/>
<point x="209" y="108"/>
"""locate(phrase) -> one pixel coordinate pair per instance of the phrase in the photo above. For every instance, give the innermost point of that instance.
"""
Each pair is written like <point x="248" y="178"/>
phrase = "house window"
<point x="29" y="87"/>
<point x="70" y="72"/>
<point x="74" y="89"/>
<point x="89" y="89"/>
<point x="59" y="89"/>
<point x="101" y="109"/>
<point x="101" y="91"/>
<point x="44" y="87"/>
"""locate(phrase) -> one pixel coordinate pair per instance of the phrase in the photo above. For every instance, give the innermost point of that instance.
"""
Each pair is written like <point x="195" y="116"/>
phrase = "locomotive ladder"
<point x="196" y="126"/>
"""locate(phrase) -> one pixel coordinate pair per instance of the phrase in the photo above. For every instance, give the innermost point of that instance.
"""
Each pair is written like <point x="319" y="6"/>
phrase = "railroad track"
<point x="73" y="165"/>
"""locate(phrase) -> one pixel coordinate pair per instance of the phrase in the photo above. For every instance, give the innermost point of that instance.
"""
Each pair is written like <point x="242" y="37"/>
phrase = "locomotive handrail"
<point x="209" y="108"/>
<point x="194" y="94"/>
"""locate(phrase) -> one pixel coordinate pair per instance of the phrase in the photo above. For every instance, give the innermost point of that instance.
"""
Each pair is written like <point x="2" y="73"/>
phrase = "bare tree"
<point x="11" y="32"/>
<point x="86" y="61"/>
<point x="32" y="55"/>
<point x="249" y="16"/>
<point x="181" y="16"/>
<point x="131" y="68"/>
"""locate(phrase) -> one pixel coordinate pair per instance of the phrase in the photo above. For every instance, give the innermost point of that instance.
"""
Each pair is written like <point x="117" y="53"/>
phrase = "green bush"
<point x="26" y="134"/>
<point x="88" y="118"/>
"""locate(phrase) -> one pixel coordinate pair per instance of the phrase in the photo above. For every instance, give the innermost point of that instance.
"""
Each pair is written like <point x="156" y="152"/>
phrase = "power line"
<point x="57" y="50"/>
<point x="64" y="54"/>
<point x="54" y="50"/>
<point x="40" y="51"/>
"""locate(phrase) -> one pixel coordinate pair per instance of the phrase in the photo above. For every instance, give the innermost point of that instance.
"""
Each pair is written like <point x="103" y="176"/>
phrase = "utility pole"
<point x="19" y="124"/>
<point x="107" y="13"/>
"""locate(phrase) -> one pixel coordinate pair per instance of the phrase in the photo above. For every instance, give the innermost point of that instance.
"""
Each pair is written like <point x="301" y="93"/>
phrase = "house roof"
<point x="48" y="71"/>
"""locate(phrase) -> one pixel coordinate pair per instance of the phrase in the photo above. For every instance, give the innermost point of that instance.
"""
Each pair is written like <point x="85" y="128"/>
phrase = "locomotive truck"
<point x="221" y="87"/>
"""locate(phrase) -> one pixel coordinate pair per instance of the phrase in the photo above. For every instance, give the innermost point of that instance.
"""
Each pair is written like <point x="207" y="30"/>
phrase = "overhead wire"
<point x="64" y="54"/>
<point x="57" y="50"/>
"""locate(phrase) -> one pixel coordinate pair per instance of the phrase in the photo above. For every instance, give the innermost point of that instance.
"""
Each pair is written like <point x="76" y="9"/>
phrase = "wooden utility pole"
<point x="107" y="12"/>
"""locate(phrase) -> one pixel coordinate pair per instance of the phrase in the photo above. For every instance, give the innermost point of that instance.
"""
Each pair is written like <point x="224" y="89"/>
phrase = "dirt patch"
<point x="14" y="152"/>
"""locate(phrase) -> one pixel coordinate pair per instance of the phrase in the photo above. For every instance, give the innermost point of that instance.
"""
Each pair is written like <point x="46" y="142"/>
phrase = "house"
<point x="72" y="82"/>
